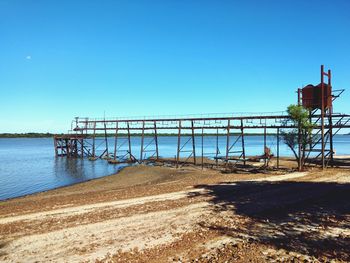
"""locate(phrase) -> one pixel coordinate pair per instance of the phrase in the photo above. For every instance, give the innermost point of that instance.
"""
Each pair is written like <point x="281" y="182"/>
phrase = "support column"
<point x="310" y="135"/>
<point x="322" y="116"/>
<point x="193" y="144"/>
<point x="278" y="148"/>
<point x="178" y="145"/>
<point x="265" y="145"/>
<point x="156" y="139"/>
<point x="227" y="140"/>
<point x="202" y="148"/>
<point x="55" y="144"/>
<point x="217" y="147"/>
<point x="75" y="146"/>
<point x="115" y="142"/>
<point x="81" y="144"/>
<point x="67" y="147"/>
<point x="82" y="148"/>
<point x="243" y="145"/>
<point x="142" y="140"/>
<point x="93" y="141"/>
<point x="106" y="139"/>
<point x="299" y="97"/>
<point x="129" y="141"/>
<point x="330" y="122"/>
<point x="299" y="137"/>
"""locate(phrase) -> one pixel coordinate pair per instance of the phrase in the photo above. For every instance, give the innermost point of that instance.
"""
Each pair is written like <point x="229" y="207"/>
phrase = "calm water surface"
<point x="28" y="165"/>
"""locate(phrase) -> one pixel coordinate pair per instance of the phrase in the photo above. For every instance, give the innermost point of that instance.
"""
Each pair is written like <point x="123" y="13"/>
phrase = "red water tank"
<point x="311" y="96"/>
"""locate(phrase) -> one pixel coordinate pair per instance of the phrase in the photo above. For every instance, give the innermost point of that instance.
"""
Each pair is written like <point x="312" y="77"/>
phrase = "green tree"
<point x="297" y="139"/>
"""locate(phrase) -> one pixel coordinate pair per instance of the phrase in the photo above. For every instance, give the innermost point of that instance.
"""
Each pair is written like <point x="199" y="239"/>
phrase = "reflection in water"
<point x="29" y="165"/>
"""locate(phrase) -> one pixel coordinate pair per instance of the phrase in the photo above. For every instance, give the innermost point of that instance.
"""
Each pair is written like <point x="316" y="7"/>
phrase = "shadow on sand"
<point x="308" y="218"/>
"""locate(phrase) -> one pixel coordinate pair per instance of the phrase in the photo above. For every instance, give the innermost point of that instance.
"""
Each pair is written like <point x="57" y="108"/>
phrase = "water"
<point x="28" y="165"/>
<point x="254" y="145"/>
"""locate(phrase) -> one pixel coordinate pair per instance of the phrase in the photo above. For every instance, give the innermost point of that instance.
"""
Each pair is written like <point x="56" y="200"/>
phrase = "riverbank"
<point x="160" y="214"/>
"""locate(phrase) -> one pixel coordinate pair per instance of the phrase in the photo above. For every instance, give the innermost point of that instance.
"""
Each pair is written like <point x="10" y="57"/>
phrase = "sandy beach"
<point x="163" y="214"/>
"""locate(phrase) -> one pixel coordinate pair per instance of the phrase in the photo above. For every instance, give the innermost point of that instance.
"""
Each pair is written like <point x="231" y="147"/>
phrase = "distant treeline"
<point x="26" y="135"/>
<point x="182" y="134"/>
<point x="48" y="135"/>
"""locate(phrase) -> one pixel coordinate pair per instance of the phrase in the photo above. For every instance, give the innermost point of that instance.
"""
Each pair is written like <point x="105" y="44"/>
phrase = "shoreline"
<point x="63" y="186"/>
<point x="282" y="158"/>
<point x="158" y="214"/>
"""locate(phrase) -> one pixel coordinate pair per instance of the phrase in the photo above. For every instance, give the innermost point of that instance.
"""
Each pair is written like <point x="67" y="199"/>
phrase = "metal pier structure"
<point x="89" y="137"/>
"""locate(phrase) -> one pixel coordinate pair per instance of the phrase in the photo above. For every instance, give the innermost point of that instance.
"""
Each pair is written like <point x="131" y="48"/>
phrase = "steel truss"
<point x="89" y="137"/>
<point x="87" y="133"/>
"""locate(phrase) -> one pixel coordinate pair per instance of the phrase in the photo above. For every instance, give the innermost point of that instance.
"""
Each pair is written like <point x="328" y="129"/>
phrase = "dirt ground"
<point x="163" y="214"/>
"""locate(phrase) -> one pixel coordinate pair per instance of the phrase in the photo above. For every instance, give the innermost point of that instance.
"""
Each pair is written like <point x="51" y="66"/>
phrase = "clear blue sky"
<point x="61" y="59"/>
